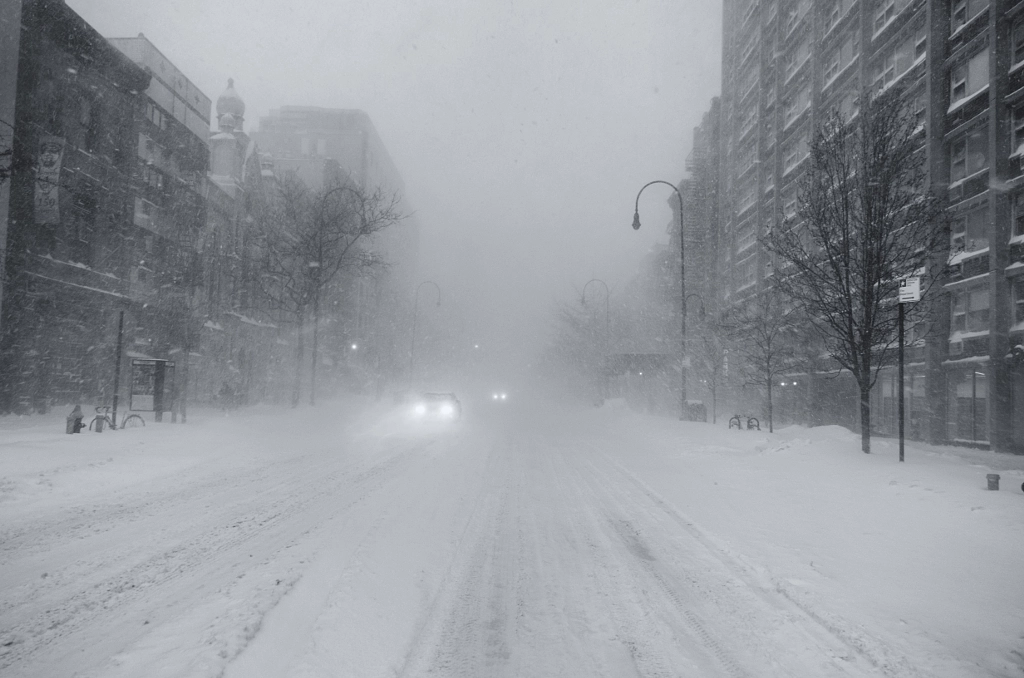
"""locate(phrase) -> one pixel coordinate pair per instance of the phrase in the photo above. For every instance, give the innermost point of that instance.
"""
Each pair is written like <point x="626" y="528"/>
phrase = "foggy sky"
<point x="522" y="129"/>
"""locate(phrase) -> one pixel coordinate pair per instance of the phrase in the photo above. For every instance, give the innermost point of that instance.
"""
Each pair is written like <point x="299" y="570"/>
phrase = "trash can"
<point x="993" y="481"/>
<point x="74" y="424"/>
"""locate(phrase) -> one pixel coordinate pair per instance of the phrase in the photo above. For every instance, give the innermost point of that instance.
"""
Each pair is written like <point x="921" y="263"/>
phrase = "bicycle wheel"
<point x="99" y="421"/>
<point x="133" y="421"/>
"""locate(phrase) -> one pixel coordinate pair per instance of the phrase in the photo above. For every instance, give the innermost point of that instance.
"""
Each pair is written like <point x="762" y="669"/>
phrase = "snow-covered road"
<point x="523" y="541"/>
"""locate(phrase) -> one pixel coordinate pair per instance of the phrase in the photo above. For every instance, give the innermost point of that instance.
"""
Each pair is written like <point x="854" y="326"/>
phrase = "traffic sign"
<point x="910" y="290"/>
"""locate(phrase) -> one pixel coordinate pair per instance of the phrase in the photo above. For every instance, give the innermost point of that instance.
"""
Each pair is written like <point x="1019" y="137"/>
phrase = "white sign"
<point x="910" y="290"/>
<point x="48" y="163"/>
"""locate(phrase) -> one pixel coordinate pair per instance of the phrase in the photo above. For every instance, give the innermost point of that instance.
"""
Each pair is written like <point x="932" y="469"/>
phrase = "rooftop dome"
<point x="230" y="102"/>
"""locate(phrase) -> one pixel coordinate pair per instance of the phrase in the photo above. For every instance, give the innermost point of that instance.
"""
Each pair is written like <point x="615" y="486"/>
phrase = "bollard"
<point x="993" y="481"/>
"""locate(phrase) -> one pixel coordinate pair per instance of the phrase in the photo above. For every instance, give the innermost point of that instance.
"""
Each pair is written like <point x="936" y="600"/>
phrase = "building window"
<point x="1018" y="300"/>
<point x="153" y="178"/>
<point x="748" y="119"/>
<point x="968" y="155"/>
<point x="919" y="107"/>
<point x="745" y="237"/>
<point x="790" y="204"/>
<point x="886" y="11"/>
<point x="794" y="105"/>
<point x="1018" y="215"/>
<point x="901" y="59"/>
<point x="967" y="78"/>
<point x="968" y="400"/>
<point x="746" y="272"/>
<point x="970" y="309"/>
<point x="747" y="80"/>
<point x="794" y="151"/>
<point x="746" y="158"/>
<point x="746" y="194"/>
<point x="752" y="45"/>
<point x="836" y="11"/>
<point x="796" y="57"/>
<point x="842" y="56"/>
<point x="797" y="10"/>
<point x="962" y="11"/>
<point x="1017" y="140"/>
<point x="1017" y="43"/>
<point x="847" y="104"/>
<point x="970" y="231"/>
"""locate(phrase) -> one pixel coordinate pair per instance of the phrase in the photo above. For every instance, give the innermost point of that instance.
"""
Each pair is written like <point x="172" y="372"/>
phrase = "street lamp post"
<point x="682" y="289"/>
<point x="415" y="305"/>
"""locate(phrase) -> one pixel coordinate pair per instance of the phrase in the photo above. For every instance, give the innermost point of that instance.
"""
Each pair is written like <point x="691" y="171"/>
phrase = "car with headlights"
<point x="499" y="396"/>
<point x="437" y="407"/>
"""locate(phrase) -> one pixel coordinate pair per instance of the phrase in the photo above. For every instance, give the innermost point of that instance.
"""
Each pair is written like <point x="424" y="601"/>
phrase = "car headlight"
<point x="503" y="396"/>
<point x="447" y="410"/>
<point x="420" y="409"/>
<point x="495" y="396"/>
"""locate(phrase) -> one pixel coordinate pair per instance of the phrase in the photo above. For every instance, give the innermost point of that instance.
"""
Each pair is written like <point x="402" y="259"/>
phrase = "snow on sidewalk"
<point x="920" y="552"/>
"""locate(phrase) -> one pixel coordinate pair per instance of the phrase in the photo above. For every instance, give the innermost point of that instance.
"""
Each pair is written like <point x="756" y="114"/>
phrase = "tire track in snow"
<point x="41" y="617"/>
<point x="858" y="653"/>
<point x="632" y="568"/>
<point x="451" y="624"/>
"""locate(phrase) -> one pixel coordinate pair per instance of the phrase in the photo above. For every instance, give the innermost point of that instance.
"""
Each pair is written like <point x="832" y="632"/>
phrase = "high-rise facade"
<point x="961" y="66"/>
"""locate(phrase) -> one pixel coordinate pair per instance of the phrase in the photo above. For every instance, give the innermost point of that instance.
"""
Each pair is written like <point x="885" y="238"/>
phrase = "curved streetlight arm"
<point x="427" y="282"/>
<point x="636" y="207"/>
<point x="682" y="287"/>
<point x="607" y="293"/>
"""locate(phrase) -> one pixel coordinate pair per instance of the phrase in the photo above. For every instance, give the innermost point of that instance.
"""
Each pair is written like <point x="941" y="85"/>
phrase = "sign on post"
<point x="910" y="290"/>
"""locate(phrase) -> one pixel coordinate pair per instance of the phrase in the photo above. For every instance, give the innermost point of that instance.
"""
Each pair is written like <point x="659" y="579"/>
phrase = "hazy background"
<point x="523" y="129"/>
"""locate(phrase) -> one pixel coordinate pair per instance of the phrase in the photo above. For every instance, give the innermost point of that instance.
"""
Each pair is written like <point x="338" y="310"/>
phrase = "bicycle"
<point x="103" y="418"/>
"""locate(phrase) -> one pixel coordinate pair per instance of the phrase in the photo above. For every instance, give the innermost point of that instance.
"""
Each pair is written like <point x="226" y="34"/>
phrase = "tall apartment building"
<point x="961" y="62"/>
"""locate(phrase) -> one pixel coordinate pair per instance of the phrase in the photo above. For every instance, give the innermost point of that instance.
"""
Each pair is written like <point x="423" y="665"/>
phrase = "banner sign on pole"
<point x="910" y="290"/>
<point x="48" y="163"/>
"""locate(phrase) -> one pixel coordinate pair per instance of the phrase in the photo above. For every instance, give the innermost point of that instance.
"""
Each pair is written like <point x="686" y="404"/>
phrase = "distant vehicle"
<point x="499" y="396"/>
<point x="437" y="407"/>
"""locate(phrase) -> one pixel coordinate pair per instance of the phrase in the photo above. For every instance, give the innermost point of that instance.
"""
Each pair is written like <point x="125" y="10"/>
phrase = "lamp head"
<point x="636" y="221"/>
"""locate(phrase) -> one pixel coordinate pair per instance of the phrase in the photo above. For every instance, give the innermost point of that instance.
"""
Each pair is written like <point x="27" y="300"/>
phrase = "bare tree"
<point x="576" y="348"/>
<point x="866" y="220"/>
<point x="308" y="239"/>
<point x="763" y="333"/>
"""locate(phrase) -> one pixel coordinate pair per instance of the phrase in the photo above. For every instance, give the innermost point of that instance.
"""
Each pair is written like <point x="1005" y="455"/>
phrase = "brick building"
<point x="69" y="240"/>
